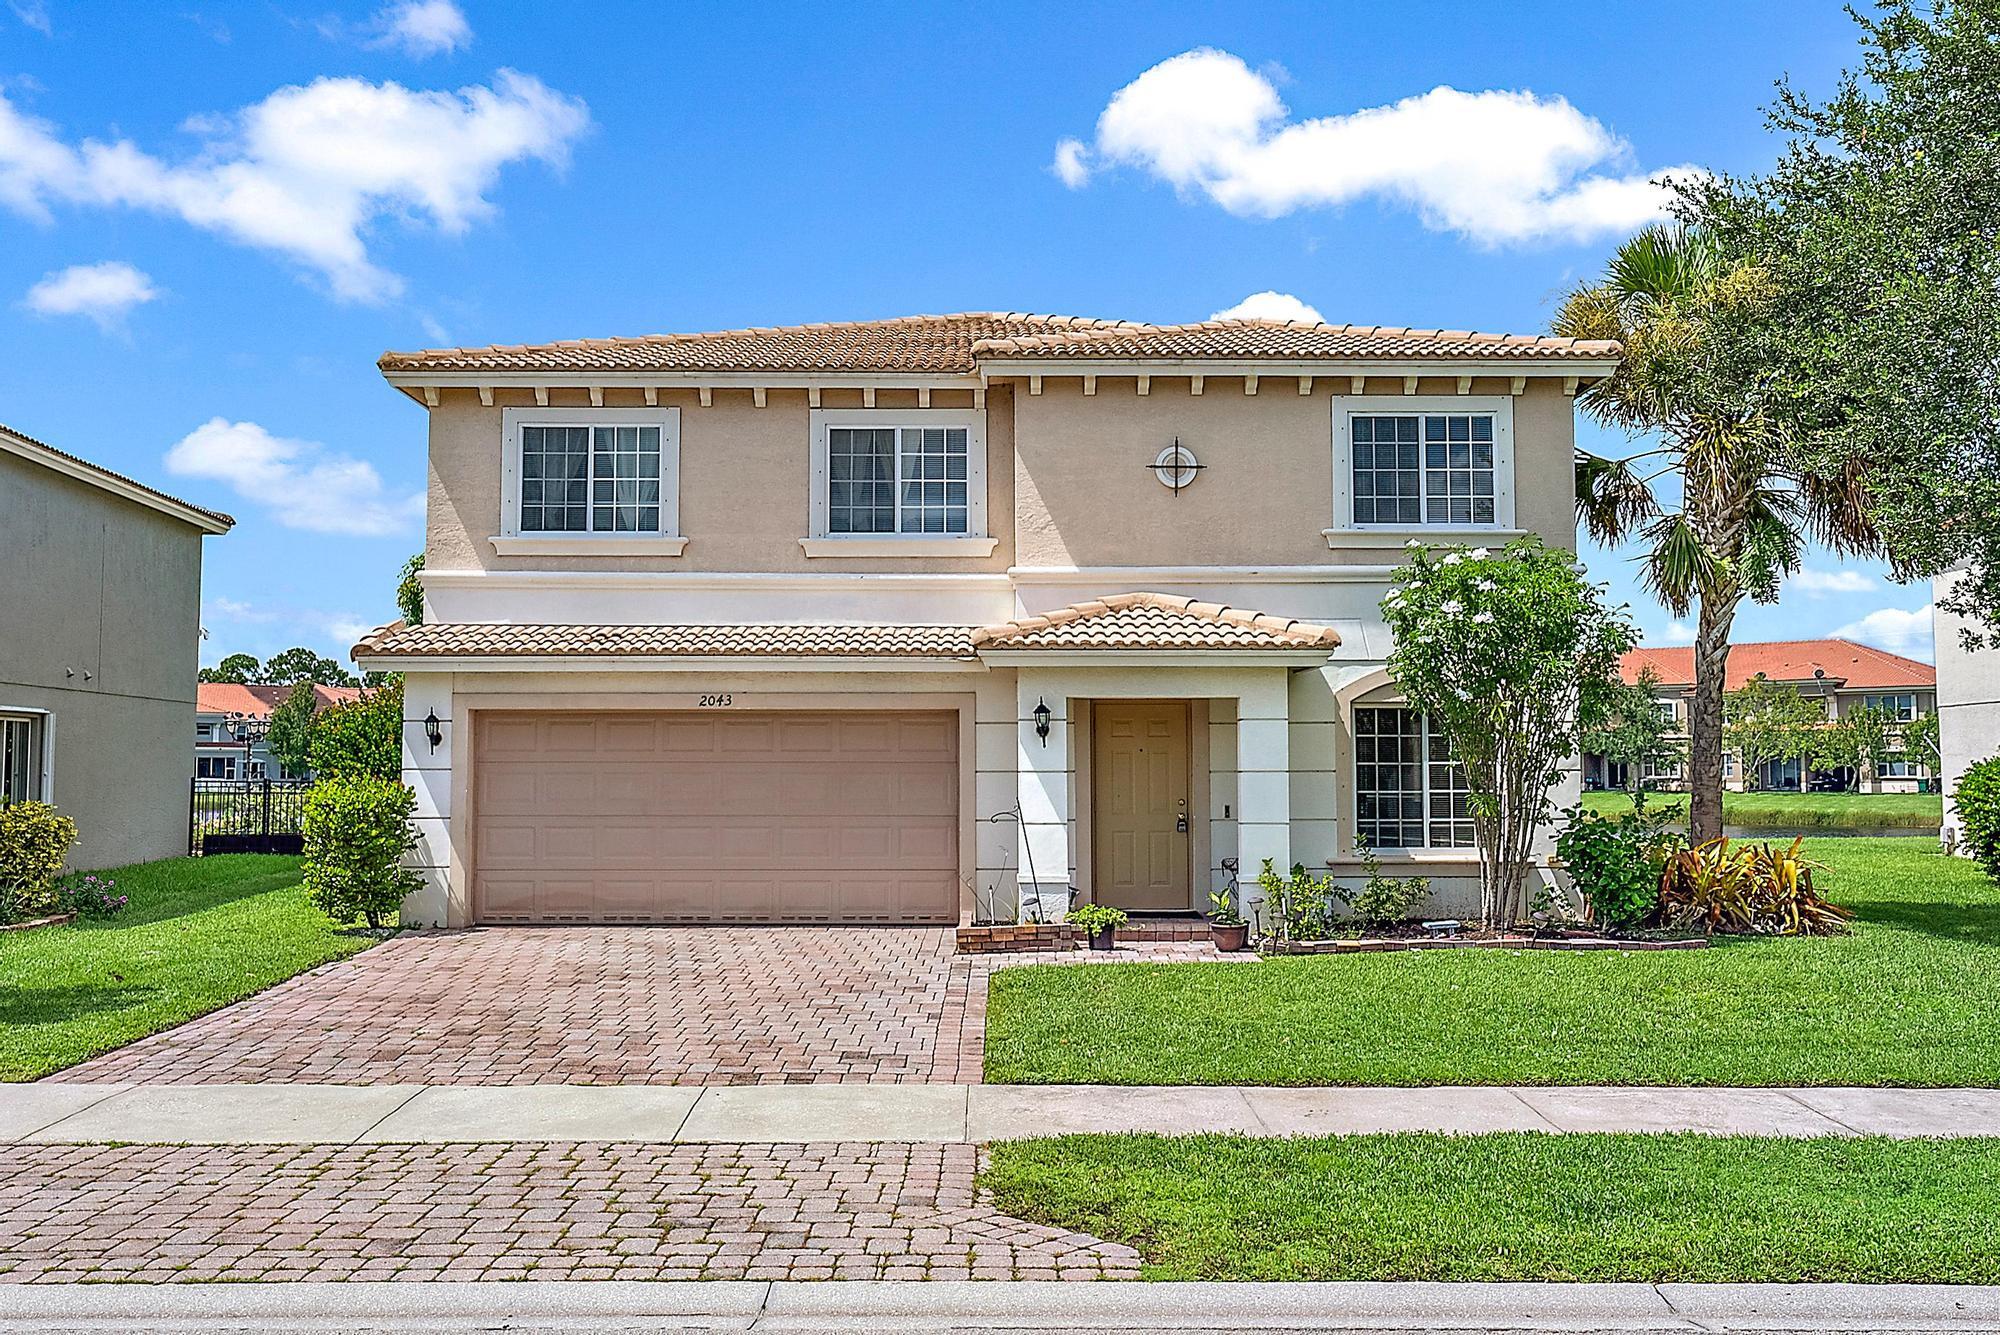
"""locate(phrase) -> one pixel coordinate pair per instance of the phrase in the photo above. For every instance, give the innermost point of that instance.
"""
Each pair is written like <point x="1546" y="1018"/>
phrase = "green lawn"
<point x="1804" y="812"/>
<point x="1912" y="997"/>
<point x="1521" y="1206"/>
<point x="199" y="934"/>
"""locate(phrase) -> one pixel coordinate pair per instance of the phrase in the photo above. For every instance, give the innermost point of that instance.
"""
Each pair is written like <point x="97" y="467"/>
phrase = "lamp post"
<point x="248" y="729"/>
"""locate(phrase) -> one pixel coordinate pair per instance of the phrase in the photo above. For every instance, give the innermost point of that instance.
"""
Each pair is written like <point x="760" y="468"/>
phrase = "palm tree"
<point x="1719" y="503"/>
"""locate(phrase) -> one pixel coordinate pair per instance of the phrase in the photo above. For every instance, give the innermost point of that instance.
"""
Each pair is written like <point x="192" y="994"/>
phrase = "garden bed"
<point x="1374" y="944"/>
<point x="52" y="920"/>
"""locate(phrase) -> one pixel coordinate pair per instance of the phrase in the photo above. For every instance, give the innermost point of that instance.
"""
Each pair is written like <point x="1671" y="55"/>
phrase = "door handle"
<point x="1180" y="823"/>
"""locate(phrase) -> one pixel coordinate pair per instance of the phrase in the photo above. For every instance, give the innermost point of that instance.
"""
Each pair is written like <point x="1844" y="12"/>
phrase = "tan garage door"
<point x="715" y="817"/>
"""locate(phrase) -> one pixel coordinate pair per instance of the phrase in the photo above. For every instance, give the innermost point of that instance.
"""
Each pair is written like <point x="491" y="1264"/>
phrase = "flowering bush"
<point x="1511" y="655"/>
<point x="92" y="897"/>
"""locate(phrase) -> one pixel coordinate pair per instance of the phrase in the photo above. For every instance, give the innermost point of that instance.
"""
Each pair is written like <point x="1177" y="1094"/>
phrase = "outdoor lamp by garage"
<point x="1042" y="721"/>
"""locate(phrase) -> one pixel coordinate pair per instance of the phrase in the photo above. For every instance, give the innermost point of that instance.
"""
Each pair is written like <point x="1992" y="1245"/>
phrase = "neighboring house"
<point x="1968" y="695"/>
<point x="935" y="619"/>
<point x="1841" y="674"/>
<point x="229" y="724"/>
<point x="100" y="604"/>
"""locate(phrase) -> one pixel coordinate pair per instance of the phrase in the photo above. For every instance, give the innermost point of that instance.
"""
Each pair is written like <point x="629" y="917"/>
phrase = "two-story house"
<point x="948" y="617"/>
<point x="100" y="624"/>
<point x="230" y="725"/>
<point x="1839" y="674"/>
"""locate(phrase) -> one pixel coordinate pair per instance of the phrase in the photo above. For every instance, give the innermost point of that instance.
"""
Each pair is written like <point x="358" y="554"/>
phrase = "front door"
<point x="1139" y="768"/>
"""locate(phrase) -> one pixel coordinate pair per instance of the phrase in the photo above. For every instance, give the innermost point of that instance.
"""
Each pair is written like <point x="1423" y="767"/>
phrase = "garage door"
<point x="715" y="817"/>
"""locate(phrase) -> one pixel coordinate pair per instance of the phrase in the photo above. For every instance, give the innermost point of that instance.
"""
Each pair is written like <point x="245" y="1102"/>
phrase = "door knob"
<point x="1180" y="823"/>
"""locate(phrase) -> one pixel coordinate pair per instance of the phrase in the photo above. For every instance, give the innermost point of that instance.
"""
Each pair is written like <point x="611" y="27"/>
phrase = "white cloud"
<point x="1270" y="305"/>
<point x="1819" y="583"/>
<point x="1676" y="632"/>
<point x="1071" y="164"/>
<point x="309" y="171"/>
<point x="346" y="629"/>
<point x="1497" y="167"/>
<point x="303" y="485"/>
<point x="1891" y="628"/>
<point x="420" y="28"/>
<point x="101" y="292"/>
<point x="33" y="14"/>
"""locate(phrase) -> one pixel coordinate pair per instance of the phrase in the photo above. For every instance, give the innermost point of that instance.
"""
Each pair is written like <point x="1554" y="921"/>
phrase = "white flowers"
<point x="1482" y="552"/>
<point x="1485" y="585"/>
<point x="1452" y="559"/>
<point x="1451" y="607"/>
<point x="1482" y="618"/>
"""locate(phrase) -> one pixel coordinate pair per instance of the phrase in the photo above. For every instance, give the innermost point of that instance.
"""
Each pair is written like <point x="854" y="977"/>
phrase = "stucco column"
<point x="1263" y="783"/>
<point x="429" y="774"/>
<point x="1043" y="783"/>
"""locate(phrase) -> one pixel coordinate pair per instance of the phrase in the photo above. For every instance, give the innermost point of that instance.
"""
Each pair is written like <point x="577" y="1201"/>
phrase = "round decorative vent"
<point x="1176" y="467"/>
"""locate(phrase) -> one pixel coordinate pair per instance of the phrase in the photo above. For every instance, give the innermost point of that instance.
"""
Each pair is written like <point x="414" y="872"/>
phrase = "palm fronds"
<point x="1611" y="498"/>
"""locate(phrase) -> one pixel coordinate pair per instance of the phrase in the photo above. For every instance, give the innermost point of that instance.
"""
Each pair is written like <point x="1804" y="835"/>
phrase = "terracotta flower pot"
<point x="1230" y="936"/>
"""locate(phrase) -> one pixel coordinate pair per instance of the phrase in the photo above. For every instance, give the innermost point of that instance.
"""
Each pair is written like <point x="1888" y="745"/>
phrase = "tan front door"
<point x="1139" y="768"/>
<point x="716" y="816"/>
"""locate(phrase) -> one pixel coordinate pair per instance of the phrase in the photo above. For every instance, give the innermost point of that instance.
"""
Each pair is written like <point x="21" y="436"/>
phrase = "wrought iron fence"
<point x="245" y="815"/>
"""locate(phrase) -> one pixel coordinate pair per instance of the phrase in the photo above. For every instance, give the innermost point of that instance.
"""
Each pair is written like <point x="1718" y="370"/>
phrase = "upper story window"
<point x="1903" y="706"/>
<point x="573" y="478"/>
<point x="898" y="482"/>
<point x="1416" y="462"/>
<point x="908" y="479"/>
<point x="1668" y="710"/>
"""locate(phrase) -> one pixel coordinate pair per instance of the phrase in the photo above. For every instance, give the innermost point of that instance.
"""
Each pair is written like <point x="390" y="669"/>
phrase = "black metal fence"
<point x="245" y="815"/>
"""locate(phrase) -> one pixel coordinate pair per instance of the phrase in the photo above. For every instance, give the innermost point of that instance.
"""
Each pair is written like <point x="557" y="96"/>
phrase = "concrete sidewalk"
<point x="948" y="1114"/>
<point x="1573" y="1308"/>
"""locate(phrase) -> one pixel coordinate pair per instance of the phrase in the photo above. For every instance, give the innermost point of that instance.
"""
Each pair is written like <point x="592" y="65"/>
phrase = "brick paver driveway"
<point x="161" y="1213"/>
<point x="596" y="1005"/>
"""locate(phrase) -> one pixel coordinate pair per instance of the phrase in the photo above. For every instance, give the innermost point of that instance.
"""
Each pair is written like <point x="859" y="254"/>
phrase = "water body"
<point x="1829" y="832"/>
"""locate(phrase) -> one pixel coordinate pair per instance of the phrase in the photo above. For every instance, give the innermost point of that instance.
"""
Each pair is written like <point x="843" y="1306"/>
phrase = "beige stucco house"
<point x="1839" y="675"/>
<point x="100" y="597"/>
<point x="945" y="618"/>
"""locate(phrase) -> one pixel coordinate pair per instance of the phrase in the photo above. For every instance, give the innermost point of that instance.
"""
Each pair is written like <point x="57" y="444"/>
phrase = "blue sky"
<point x="216" y="216"/>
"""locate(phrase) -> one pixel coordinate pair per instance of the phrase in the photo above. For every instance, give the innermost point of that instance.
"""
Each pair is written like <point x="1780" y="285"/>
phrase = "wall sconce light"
<point x="1042" y="721"/>
<point x="433" y="729"/>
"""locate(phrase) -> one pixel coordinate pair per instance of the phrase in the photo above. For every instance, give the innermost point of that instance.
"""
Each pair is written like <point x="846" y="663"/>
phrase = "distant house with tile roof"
<point x="1843" y="674"/>
<point x="229" y="723"/>
<point x="946" y="617"/>
<point x="100" y="596"/>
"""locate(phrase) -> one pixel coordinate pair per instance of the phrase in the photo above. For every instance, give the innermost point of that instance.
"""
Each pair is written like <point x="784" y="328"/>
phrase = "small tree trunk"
<point x="1711" y="663"/>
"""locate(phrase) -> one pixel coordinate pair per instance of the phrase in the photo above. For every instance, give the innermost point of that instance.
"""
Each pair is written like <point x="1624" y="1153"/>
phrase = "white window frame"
<point x="1344" y="532"/>
<point x="42" y="723"/>
<point x="1878" y="699"/>
<point x="1389" y="853"/>
<point x="227" y="763"/>
<point x="511" y="541"/>
<point x="975" y="541"/>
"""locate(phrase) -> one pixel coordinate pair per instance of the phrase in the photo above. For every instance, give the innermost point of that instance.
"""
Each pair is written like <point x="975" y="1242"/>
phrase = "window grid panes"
<point x="1408" y="791"/>
<point x="20" y="760"/>
<point x="897" y="480"/>
<point x="583" y="479"/>
<point x="1423" y="468"/>
<point x="1904" y="707"/>
<point x="1896" y="765"/>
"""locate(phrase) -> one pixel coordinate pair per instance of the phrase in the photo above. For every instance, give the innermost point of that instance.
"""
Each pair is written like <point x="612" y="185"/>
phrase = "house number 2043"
<point x="715" y="701"/>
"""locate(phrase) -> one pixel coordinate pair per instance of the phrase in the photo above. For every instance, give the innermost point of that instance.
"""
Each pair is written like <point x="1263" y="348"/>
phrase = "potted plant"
<point x="1230" y="931"/>
<point x="1100" y="922"/>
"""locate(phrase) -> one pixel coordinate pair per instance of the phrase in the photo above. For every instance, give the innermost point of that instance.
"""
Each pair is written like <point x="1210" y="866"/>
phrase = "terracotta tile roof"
<point x="485" y="640"/>
<point x="227" y="697"/>
<point x="1853" y="666"/>
<point x="955" y="344"/>
<point x="1153" y="621"/>
<point x="935" y="343"/>
<point x="98" y="471"/>
<point x="1285" y="340"/>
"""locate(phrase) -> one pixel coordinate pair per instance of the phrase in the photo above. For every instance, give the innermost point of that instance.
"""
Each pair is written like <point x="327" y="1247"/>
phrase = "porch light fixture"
<point x="1042" y="721"/>
<point x="433" y="729"/>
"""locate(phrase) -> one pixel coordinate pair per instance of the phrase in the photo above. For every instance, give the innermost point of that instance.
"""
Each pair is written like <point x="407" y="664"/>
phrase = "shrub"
<point x="1725" y="886"/>
<point x="1615" y="861"/>
<point x="91" y="897"/>
<point x="362" y="737"/>
<point x="1095" y="918"/>
<point x="356" y="830"/>
<point x="1302" y="908"/>
<point x="35" y="839"/>
<point x="1977" y="800"/>
<point x="1385" y="900"/>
